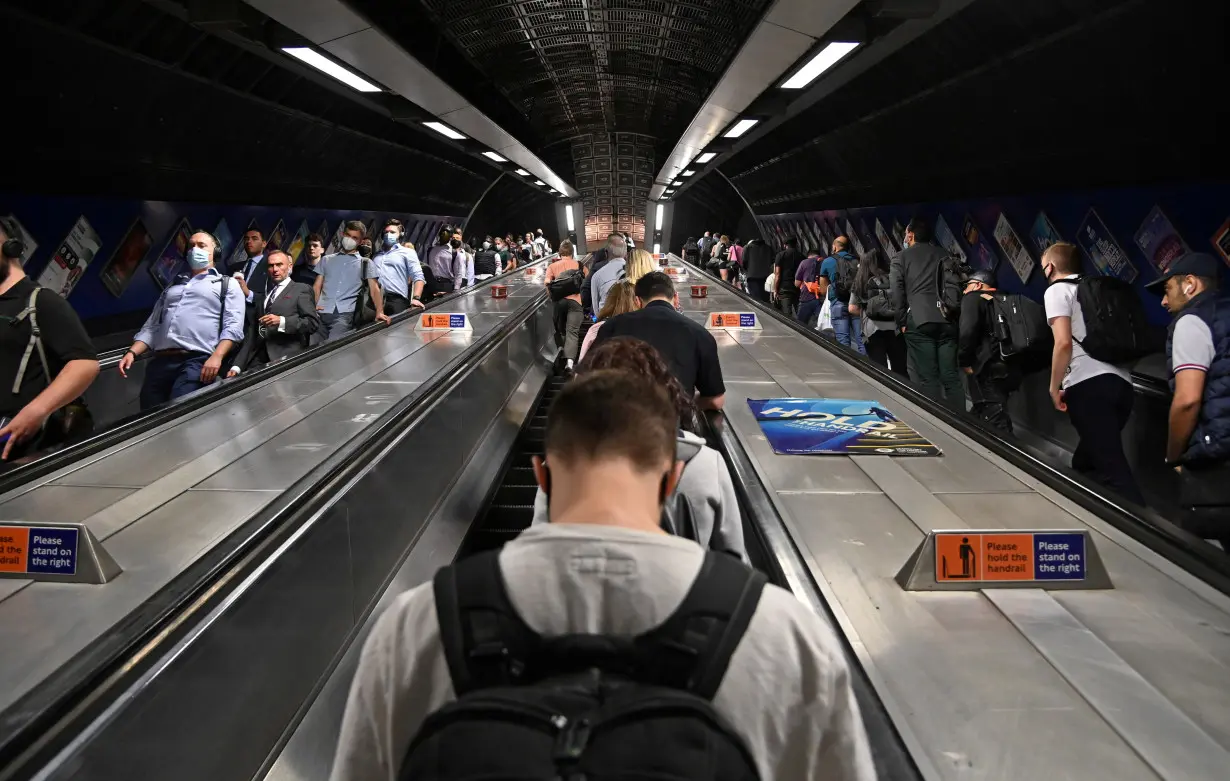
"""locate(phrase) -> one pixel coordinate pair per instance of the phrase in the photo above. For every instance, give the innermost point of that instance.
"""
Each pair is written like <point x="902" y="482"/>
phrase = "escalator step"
<point x="514" y="495"/>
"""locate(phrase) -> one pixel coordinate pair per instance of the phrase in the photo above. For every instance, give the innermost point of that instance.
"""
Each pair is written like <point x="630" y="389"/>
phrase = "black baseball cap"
<point x="1196" y="264"/>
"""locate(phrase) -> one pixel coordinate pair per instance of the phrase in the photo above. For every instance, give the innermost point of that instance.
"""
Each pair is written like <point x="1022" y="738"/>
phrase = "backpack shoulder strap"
<point x="692" y="649"/>
<point x="35" y="343"/>
<point x="485" y="642"/>
<point x="226" y="287"/>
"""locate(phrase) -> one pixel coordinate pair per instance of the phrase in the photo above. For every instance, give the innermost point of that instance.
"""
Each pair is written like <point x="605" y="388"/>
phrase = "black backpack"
<point x="566" y="284"/>
<point x="364" y="306"/>
<point x="950" y="277"/>
<point x="584" y="706"/>
<point x="1116" y="328"/>
<point x="486" y="261"/>
<point x="880" y="300"/>
<point x="1021" y="328"/>
<point x="847" y="269"/>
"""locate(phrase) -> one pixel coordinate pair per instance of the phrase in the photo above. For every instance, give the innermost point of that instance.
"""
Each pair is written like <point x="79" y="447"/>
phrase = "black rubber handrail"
<point x="41" y="722"/>
<point x="893" y="759"/>
<point x="135" y="425"/>
<point x="1142" y="524"/>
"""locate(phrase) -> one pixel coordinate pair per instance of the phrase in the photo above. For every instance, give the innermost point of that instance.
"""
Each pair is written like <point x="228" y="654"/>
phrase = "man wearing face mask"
<point x="401" y="274"/>
<point x="1198" y="358"/>
<point x="448" y="265"/>
<point x="337" y="287"/>
<point x="251" y="273"/>
<point x="196" y="322"/>
<point x="486" y="262"/>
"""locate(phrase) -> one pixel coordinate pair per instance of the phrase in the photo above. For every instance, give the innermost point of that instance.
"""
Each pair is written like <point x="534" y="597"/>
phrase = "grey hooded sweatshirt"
<point x="709" y="491"/>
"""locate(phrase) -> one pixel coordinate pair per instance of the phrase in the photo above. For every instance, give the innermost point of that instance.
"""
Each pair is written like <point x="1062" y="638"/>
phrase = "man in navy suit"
<point x="282" y="319"/>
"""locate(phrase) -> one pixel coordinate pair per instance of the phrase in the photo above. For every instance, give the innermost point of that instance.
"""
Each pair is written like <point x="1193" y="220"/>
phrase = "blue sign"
<point x="456" y="321"/>
<point x="1059" y="556"/>
<point x="747" y="319"/>
<point x="836" y="426"/>
<point x="1100" y="245"/>
<point x="53" y="551"/>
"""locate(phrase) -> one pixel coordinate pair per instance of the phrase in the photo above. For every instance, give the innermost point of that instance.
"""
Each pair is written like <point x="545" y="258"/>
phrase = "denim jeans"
<point x="847" y="328"/>
<point x="167" y="377"/>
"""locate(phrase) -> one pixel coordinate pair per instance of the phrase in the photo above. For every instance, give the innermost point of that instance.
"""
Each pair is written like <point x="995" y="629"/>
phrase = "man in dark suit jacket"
<point x="282" y="320"/>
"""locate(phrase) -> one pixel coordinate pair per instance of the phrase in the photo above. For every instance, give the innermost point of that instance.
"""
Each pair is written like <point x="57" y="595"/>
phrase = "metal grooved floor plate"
<point x="986" y="688"/>
<point x="161" y="501"/>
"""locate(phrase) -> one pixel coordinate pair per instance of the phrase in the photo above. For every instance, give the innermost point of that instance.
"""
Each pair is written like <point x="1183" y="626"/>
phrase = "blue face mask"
<point x="390" y="239"/>
<point x="199" y="258"/>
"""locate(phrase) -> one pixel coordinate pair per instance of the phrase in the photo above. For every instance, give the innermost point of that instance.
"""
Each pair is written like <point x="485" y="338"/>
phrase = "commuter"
<point x="563" y="279"/>
<point x="504" y="258"/>
<point x="691" y="251"/>
<point x="251" y="273"/>
<point x="46" y="360"/>
<point x="529" y="247"/>
<point x="930" y="339"/>
<point x="689" y="349"/>
<point x="448" y="264"/>
<point x="718" y="255"/>
<point x="602" y="578"/>
<point x="809" y="286"/>
<point x="872" y="298"/>
<point x="614" y="267"/>
<point x="758" y="263"/>
<point x="594" y="263"/>
<point x="785" y="265"/>
<point x="283" y="320"/>
<point x="837" y="274"/>
<point x="543" y="246"/>
<point x="704" y="507"/>
<point x="338" y="285"/>
<point x="991" y="379"/>
<point x="486" y="261"/>
<point x="620" y="299"/>
<point x="1097" y="396"/>
<point x="736" y="252"/>
<point x="1198" y="358"/>
<point x="468" y="249"/>
<point x="399" y="271"/>
<point x="192" y="328"/>
<point x="628" y="240"/>
<point x="307" y="268"/>
<point x="705" y="247"/>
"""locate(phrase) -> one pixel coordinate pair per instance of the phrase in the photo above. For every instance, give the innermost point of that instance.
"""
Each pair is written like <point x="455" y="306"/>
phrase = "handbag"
<point x="364" y="307"/>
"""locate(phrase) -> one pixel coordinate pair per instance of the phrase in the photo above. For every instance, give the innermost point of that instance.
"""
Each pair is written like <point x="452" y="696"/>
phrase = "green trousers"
<point x="932" y="349"/>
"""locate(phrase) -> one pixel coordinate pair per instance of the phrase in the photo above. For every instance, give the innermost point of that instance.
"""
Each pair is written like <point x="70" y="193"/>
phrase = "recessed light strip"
<point x="706" y="157"/>
<point x="741" y="127"/>
<point x="330" y="68"/>
<point x="445" y="130"/>
<point x="826" y="58"/>
<point x="495" y="157"/>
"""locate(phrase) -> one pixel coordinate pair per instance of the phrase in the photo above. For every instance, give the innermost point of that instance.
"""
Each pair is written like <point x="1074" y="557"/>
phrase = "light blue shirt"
<point x="605" y="279"/>
<point x="399" y="268"/>
<point x="340" y="288"/>
<point x="187" y="312"/>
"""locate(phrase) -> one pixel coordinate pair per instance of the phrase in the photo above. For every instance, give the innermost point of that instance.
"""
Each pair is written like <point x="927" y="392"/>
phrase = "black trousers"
<point x="755" y="288"/>
<point x="395" y="303"/>
<point x="788" y="301"/>
<point x="887" y="348"/>
<point x="1099" y="408"/>
<point x="1204" y="495"/>
<point x="989" y="390"/>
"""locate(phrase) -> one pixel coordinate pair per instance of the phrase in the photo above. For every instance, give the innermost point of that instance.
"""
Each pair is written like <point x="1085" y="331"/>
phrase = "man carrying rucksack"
<point x="993" y="376"/>
<point x="564" y="280"/>
<point x="598" y="645"/>
<point x="918" y="282"/>
<point x="1198" y="359"/>
<point x="837" y="273"/>
<point x="1090" y="364"/>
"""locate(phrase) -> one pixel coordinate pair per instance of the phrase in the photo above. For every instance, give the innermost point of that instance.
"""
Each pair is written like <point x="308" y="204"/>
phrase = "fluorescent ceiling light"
<point x="826" y="58"/>
<point x="329" y="67"/>
<point x="445" y="130"/>
<point x="540" y="182"/>
<point x="553" y="190"/>
<point x="658" y="221"/>
<point x="668" y="192"/>
<point x="677" y="183"/>
<point x="495" y="157"/>
<point x="522" y="172"/>
<point x="572" y="225"/>
<point x="740" y="128"/>
<point x="657" y="249"/>
<point x="689" y="173"/>
<point x="706" y="157"/>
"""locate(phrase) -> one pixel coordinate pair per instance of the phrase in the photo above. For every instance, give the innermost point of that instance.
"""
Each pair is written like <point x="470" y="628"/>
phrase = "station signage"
<point x="980" y="559"/>
<point x="444" y="321"/>
<point x="734" y="320"/>
<point x="35" y="550"/>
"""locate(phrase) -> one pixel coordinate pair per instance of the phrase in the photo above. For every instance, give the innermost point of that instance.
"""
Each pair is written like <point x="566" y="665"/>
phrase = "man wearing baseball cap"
<point x="1198" y="356"/>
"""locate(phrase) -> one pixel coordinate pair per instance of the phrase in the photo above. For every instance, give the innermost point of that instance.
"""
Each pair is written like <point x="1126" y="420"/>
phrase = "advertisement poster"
<point x="26" y="238"/>
<point x="173" y="260"/>
<point x="1098" y="243"/>
<point x="1043" y="234"/>
<point x="984" y="256"/>
<point x="298" y="243"/>
<point x="944" y="237"/>
<point x="323" y="231"/>
<point x="239" y="255"/>
<point x="899" y="233"/>
<point x="1160" y="242"/>
<point x="836" y="427"/>
<point x="225" y="240"/>
<point x="885" y="241"/>
<point x="71" y="259"/>
<point x="854" y="239"/>
<point x="1022" y="262"/>
<point x="335" y="243"/>
<point x="277" y="237"/>
<point x="124" y="262"/>
<point x="1221" y="240"/>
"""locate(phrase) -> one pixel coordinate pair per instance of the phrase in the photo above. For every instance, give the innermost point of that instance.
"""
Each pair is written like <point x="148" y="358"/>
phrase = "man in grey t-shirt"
<point x="604" y="566"/>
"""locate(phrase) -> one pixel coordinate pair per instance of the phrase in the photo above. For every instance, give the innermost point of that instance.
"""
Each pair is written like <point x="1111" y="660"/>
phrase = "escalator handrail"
<point x="43" y="720"/>
<point x="140" y="423"/>
<point x="1142" y="524"/>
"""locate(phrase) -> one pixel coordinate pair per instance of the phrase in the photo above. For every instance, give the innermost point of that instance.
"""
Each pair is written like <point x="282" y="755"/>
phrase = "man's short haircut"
<point x="611" y="414"/>
<point x="921" y="228"/>
<point x="1210" y="283"/>
<point x="355" y="225"/>
<point x="1065" y="257"/>
<point x="257" y="231"/>
<point x="216" y="255"/>
<point x="273" y="252"/>
<point x="396" y="223"/>
<point x="841" y="243"/>
<point x="653" y="285"/>
<point x="792" y="242"/>
<point x="565" y="249"/>
<point x="316" y="237"/>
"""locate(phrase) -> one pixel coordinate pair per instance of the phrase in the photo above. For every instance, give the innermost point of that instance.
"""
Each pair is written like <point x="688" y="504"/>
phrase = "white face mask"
<point x="199" y="258"/>
<point x="349" y="243"/>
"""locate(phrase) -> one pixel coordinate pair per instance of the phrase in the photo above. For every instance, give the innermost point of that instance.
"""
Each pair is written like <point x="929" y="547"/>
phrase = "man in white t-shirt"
<point x="1097" y="396"/>
<point x="602" y="575"/>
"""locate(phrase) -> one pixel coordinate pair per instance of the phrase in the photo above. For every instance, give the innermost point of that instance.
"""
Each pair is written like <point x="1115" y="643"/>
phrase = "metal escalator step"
<point x="514" y="495"/>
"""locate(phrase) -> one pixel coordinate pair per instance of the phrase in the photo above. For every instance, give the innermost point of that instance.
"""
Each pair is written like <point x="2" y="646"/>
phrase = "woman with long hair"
<point x="621" y="298"/>
<point x="871" y="296"/>
<point x="640" y="263"/>
<point x="704" y="507"/>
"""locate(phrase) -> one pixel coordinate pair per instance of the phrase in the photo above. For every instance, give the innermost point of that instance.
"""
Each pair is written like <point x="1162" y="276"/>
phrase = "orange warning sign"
<point x="961" y="556"/>
<point x="531" y="271"/>
<point x="14" y="548"/>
